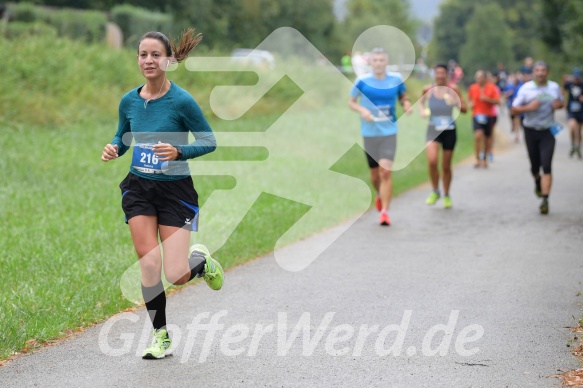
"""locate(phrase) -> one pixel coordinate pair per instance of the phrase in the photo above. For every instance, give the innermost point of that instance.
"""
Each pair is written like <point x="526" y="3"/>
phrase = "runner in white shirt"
<point x="538" y="99"/>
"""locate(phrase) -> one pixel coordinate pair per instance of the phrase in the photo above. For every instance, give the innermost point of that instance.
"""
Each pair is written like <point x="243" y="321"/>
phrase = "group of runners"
<point x="160" y="202"/>
<point x="532" y="100"/>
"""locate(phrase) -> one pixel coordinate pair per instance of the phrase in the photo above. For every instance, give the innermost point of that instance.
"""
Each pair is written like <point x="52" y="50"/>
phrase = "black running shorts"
<point x="485" y="125"/>
<point x="447" y="138"/>
<point x="175" y="203"/>
<point x="578" y="116"/>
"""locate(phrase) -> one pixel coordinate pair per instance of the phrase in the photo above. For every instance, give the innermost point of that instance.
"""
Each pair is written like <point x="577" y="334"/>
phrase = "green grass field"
<point x="64" y="243"/>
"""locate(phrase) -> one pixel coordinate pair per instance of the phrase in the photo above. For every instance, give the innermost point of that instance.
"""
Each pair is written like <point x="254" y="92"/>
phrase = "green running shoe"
<point x="213" y="272"/>
<point x="544" y="207"/>
<point x="433" y="197"/>
<point x="447" y="202"/>
<point x="537" y="188"/>
<point x="161" y="346"/>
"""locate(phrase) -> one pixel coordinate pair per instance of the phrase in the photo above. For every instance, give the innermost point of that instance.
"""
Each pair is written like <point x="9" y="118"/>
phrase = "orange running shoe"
<point x="378" y="203"/>
<point x="384" y="219"/>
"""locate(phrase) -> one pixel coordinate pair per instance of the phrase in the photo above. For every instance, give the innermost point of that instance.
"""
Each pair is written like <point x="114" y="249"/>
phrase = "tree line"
<point x="227" y="24"/>
<point x="480" y="34"/>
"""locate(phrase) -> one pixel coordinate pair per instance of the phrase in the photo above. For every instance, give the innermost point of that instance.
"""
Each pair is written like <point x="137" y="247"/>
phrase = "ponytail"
<point x="188" y="41"/>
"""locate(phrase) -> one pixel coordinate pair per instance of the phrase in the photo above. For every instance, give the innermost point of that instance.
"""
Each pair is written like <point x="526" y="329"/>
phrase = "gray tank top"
<point x="441" y="114"/>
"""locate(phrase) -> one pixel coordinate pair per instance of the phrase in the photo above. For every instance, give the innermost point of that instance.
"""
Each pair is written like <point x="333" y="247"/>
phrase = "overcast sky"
<point x="422" y="9"/>
<point x="425" y="9"/>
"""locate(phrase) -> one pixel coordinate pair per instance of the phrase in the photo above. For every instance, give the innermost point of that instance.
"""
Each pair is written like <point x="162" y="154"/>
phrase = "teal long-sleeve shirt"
<point x="168" y="119"/>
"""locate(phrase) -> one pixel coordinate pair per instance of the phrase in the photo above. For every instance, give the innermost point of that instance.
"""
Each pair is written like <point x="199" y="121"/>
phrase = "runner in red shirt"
<point x="483" y="96"/>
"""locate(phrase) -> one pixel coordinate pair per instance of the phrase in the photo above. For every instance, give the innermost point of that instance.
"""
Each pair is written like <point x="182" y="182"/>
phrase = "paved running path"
<point x="506" y="276"/>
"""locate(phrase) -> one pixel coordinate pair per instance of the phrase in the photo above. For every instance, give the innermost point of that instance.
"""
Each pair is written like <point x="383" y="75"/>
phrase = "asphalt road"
<point x="476" y="296"/>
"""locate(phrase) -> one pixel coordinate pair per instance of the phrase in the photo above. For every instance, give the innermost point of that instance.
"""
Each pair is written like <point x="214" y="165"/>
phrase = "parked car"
<point x="253" y="57"/>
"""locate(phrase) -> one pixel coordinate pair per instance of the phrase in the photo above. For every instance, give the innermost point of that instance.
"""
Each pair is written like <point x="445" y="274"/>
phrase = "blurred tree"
<point x="250" y="21"/>
<point x="364" y="14"/>
<point x="449" y="30"/>
<point x="488" y="39"/>
<point x="100" y="5"/>
<point x="572" y="32"/>
<point x="521" y="16"/>
<point x="246" y="23"/>
<point x="551" y="24"/>
<point x="315" y="20"/>
<point x="562" y="29"/>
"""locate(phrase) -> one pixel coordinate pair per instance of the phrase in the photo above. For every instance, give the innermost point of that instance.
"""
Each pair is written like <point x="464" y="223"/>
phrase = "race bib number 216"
<point x="144" y="159"/>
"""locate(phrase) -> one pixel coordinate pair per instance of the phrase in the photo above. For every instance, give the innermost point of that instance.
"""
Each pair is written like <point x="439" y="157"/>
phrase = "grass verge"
<point x="65" y="246"/>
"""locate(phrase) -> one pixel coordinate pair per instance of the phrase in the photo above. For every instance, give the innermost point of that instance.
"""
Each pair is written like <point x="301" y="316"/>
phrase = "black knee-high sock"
<point x="155" y="298"/>
<point x="196" y="263"/>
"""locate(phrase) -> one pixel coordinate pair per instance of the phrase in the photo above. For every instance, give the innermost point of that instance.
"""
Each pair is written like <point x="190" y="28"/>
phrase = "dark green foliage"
<point x="89" y="26"/>
<point x="522" y="28"/>
<point x="487" y="40"/>
<point x="135" y="21"/>
<point x="22" y="29"/>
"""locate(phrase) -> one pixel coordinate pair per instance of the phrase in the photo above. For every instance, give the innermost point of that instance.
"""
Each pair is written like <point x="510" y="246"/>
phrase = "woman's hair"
<point x="188" y="40"/>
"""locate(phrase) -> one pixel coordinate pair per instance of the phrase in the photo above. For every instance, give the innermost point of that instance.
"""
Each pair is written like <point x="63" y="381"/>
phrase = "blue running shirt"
<point x="380" y="97"/>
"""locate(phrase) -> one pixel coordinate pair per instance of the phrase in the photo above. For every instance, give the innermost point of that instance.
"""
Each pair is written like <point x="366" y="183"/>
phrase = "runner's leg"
<point x="175" y="242"/>
<point x="546" y="148"/>
<point x="446" y="168"/>
<point x="573" y="134"/>
<point x="144" y="231"/>
<point x="432" y="151"/>
<point x="478" y="141"/>
<point x="386" y="183"/>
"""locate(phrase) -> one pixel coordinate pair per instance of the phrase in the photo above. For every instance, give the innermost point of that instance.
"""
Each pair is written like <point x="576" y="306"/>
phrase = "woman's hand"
<point x="165" y="151"/>
<point x="109" y="153"/>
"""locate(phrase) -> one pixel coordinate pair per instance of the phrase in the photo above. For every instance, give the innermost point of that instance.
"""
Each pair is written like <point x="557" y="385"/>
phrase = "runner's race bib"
<point x="556" y="128"/>
<point x="481" y="119"/>
<point x="144" y="160"/>
<point x="442" y="123"/>
<point x="575" y="106"/>
<point x="382" y="113"/>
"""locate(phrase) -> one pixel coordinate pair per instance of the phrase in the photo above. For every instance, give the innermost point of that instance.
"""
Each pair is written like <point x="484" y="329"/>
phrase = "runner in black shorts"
<point x="514" y="83"/>
<point x="538" y="100"/>
<point x="574" y="94"/>
<point x="158" y="196"/>
<point x="437" y="104"/>
<point x="483" y="125"/>
<point x="483" y="96"/>
<point x="174" y="203"/>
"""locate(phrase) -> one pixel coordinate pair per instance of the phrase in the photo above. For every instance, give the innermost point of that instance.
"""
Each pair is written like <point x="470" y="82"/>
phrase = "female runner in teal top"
<point x="158" y="195"/>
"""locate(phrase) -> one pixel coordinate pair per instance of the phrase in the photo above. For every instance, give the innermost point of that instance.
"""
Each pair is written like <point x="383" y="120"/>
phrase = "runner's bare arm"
<point x="463" y="104"/>
<point x="405" y="103"/>
<point x="533" y="105"/>
<point x="355" y="106"/>
<point x="423" y="100"/>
